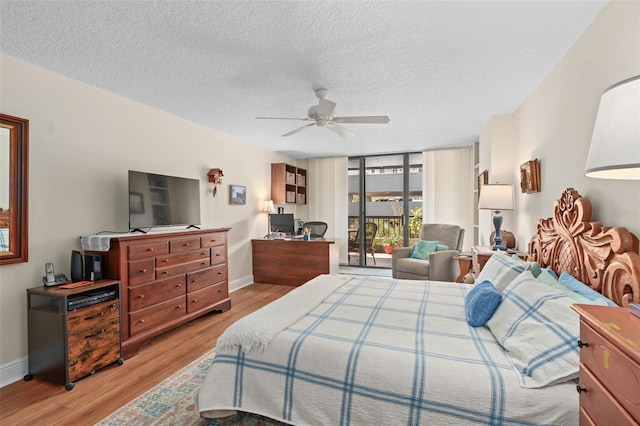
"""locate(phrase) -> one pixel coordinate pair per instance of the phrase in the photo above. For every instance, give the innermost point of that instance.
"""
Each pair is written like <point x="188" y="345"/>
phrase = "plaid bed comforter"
<point x="383" y="351"/>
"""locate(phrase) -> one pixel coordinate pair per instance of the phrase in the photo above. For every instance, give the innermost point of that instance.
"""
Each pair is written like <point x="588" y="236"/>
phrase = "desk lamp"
<point x="268" y="209"/>
<point x="496" y="197"/>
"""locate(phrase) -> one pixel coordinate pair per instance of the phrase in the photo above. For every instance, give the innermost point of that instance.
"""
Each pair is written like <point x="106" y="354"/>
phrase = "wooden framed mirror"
<point x="14" y="194"/>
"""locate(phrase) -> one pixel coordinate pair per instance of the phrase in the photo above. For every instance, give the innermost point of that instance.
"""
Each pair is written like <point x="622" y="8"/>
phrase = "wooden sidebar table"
<point x="292" y="261"/>
<point x="481" y="255"/>
<point x="464" y="262"/>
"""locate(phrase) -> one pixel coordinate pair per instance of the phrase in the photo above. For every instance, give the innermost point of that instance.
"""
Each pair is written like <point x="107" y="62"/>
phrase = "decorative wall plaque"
<point x="530" y="177"/>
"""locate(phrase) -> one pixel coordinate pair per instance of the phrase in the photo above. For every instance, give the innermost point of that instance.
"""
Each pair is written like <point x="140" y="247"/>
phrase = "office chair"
<point x="318" y="229"/>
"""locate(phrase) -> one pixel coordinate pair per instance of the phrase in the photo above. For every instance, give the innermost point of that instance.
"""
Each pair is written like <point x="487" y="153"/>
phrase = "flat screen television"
<point x="282" y="223"/>
<point x="158" y="200"/>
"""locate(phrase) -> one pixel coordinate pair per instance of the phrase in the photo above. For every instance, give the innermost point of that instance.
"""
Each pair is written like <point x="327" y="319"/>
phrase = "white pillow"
<point x="537" y="327"/>
<point x="501" y="269"/>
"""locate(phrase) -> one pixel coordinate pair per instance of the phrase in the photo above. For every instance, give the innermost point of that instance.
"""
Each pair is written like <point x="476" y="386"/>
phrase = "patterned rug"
<point x="172" y="402"/>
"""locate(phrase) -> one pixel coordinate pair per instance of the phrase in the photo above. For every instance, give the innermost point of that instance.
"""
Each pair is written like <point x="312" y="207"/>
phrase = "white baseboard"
<point x="13" y="371"/>
<point x="16" y="370"/>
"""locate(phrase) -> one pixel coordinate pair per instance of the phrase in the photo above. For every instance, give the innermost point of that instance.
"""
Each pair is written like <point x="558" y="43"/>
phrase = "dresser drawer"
<point x="218" y="255"/>
<point x="206" y="297"/>
<point x="206" y="277"/>
<point x="149" y="294"/>
<point x="617" y="372"/>
<point x="599" y="404"/>
<point x="93" y="348"/>
<point x="178" y="246"/>
<point x="182" y="268"/>
<point x="168" y="260"/>
<point x="92" y="315"/>
<point x="141" y="271"/>
<point x="156" y="315"/>
<point x="140" y="251"/>
<point x="211" y="240"/>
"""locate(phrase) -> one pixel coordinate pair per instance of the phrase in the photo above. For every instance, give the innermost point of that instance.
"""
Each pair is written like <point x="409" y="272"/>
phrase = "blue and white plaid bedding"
<point x="383" y="351"/>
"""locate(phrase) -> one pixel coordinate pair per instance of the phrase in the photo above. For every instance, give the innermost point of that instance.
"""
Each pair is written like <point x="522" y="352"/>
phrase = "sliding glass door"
<point x="385" y="204"/>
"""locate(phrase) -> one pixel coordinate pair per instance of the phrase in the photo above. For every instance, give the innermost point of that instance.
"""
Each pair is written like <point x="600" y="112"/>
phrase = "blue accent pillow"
<point x="422" y="249"/>
<point x="480" y="303"/>
<point x="582" y="289"/>
<point x="442" y="247"/>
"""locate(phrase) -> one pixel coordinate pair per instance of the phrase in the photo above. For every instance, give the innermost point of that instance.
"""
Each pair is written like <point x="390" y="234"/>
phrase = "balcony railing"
<point x="390" y="229"/>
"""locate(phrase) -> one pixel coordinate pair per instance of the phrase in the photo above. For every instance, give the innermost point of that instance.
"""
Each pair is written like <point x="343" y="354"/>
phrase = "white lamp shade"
<point x="496" y="197"/>
<point x="268" y="207"/>
<point x="615" y="145"/>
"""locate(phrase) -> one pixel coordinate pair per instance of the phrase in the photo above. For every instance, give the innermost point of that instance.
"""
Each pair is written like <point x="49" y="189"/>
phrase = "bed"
<point x="362" y="350"/>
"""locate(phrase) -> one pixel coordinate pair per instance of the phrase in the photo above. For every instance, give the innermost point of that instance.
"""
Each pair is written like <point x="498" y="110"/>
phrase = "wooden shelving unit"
<point x="288" y="184"/>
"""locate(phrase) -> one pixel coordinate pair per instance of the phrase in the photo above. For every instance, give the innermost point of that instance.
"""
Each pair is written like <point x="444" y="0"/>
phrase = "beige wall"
<point x="555" y="124"/>
<point x="82" y="143"/>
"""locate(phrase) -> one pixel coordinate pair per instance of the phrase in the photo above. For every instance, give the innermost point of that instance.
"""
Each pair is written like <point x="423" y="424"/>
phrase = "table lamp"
<point x="496" y="197"/>
<point x="615" y="144"/>
<point x="268" y="209"/>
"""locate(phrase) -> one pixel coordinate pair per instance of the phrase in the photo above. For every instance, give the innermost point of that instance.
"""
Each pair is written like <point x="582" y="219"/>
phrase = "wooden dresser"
<point x="609" y="384"/>
<point x="67" y="343"/>
<point x="167" y="280"/>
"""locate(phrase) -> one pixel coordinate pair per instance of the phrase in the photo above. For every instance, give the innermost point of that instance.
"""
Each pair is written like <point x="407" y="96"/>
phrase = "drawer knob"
<point x="178" y="285"/>
<point x="150" y="249"/>
<point x="186" y="244"/>
<point x="165" y="272"/>
<point x="165" y="260"/>
<point x="218" y="254"/>
<point x="101" y="314"/>
<point x="194" y="281"/>
<point x="582" y="344"/>
<point x="141" y="321"/>
<point x="581" y="388"/>
<point x="141" y="296"/>
<point x="143" y="270"/>
<point x="195" y="301"/>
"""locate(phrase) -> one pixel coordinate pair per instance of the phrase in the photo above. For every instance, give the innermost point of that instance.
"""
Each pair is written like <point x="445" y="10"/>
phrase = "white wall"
<point x="448" y="189"/>
<point x="555" y="124"/>
<point x="83" y="141"/>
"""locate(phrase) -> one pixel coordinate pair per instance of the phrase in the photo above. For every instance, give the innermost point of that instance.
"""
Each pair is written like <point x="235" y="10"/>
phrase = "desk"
<point x="292" y="262"/>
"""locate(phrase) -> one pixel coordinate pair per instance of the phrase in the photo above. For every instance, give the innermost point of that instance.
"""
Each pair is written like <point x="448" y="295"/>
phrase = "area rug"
<point x="172" y="402"/>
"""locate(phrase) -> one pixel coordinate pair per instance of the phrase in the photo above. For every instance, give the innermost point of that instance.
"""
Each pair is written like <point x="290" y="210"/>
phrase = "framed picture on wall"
<point x="530" y="177"/>
<point x="238" y="195"/>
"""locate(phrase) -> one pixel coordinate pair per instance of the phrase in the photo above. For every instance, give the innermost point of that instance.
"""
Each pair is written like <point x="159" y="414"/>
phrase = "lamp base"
<point x="497" y="247"/>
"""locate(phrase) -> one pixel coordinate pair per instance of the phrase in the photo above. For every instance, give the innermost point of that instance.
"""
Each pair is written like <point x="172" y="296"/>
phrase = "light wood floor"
<point x="39" y="402"/>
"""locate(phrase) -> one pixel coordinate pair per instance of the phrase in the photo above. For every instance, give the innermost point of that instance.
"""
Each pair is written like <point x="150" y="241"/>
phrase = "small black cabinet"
<point x="73" y="332"/>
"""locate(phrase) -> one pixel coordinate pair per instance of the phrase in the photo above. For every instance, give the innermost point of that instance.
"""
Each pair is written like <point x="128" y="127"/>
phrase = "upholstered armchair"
<point x="440" y="266"/>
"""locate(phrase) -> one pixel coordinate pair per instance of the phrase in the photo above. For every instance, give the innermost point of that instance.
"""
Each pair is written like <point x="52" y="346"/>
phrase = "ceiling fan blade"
<point x="336" y="128"/>
<point x="326" y="107"/>
<point x="299" y="129"/>
<point x="282" y="118"/>
<point x="368" y="119"/>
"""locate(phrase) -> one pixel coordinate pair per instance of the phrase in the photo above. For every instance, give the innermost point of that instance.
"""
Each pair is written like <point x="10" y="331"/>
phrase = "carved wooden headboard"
<point x="606" y="259"/>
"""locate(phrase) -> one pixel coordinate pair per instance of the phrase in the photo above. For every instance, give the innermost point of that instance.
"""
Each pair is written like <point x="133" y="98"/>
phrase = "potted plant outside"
<point x="391" y="240"/>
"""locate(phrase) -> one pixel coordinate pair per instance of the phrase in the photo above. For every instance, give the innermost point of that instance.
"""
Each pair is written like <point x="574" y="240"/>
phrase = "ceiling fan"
<point x="322" y="116"/>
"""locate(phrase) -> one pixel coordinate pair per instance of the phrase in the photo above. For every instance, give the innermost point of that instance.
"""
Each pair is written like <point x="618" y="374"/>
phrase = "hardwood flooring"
<point x="39" y="402"/>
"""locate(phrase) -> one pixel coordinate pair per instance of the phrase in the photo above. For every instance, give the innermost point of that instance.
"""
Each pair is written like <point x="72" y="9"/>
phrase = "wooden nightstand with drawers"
<point x="609" y="383"/>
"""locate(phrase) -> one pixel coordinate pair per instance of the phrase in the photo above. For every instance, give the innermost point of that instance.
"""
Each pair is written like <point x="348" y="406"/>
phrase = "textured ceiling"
<point x="439" y="70"/>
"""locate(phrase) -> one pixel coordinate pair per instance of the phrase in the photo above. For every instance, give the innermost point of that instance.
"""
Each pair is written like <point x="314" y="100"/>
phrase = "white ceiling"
<point x="439" y="70"/>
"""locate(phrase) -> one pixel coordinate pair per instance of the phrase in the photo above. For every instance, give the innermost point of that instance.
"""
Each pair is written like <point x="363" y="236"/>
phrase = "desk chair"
<point x="318" y="229"/>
